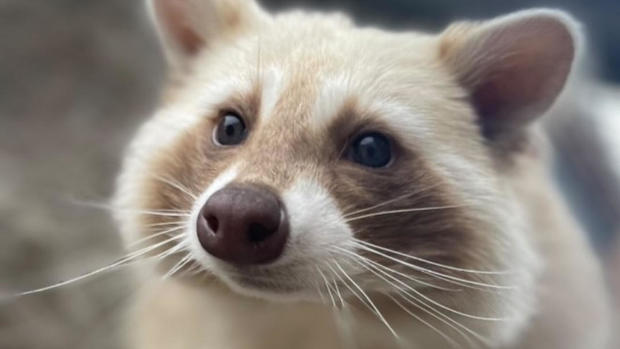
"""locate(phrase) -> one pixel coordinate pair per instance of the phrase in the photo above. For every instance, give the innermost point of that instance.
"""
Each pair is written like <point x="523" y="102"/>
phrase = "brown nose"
<point x="243" y="224"/>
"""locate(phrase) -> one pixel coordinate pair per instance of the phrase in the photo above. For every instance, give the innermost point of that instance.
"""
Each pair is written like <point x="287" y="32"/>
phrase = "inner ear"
<point x="513" y="67"/>
<point x="186" y="27"/>
<point x="173" y="17"/>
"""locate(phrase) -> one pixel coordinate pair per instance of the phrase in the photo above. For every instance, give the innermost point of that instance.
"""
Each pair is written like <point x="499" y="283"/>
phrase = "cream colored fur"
<point x="559" y="301"/>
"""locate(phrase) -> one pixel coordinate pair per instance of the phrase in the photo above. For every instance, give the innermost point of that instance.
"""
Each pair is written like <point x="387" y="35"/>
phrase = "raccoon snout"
<point x="243" y="224"/>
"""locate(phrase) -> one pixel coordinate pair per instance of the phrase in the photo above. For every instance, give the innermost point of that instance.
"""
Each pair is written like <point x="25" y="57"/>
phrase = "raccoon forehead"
<point x="415" y="100"/>
<point x="339" y="97"/>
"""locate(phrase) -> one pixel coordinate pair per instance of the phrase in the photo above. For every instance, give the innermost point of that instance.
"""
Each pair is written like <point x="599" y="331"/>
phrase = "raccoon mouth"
<point x="269" y="284"/>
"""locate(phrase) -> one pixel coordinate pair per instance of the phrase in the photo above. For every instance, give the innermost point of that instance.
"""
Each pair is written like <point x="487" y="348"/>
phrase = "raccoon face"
<point x="297" y="156"/>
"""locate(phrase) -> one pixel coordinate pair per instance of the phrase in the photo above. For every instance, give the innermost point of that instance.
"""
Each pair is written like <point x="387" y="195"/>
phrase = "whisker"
<point x="452" y="323"/>
<point x="455" y="282"/>
<point x="419" y="259"/>
<point x="152" y="236"/>
<point x="450" y="341"/>
<point x="353" y="292"/>
<point x="147" y="249"/>
<point x="331" y="296"/>
<point x="176" y="185"/>
<point x="335" y="282"/>
<point x="182" y="262"/>
<point x="179" y="222"/>
<point x="124" y="261"/>
<point x="432" y="272"/>
<point x="444" y="307"/>
<point x="459" y="328"/>
<point x="402" y="210"/>
<point x="119" y="263"/>
<point x="319" y="291"/>
<point x="155" y="212"/>
<point x="413" y="300"/>
<point x="390" y="201"/>
<point x="342" y="302"/>
<point x="372" y="304"/>
<point x="416" y="280"/>
<point x="169" y="210"/>
<point x="158" y="213"/>
<point x="258" y="60"/>
<point x="175" y="249"/>
<point x="194" y="269"/>
<point x="341" y="317"/>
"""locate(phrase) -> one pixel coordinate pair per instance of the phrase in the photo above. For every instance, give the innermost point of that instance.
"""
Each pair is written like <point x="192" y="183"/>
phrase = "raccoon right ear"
<point x="186" y="27"/>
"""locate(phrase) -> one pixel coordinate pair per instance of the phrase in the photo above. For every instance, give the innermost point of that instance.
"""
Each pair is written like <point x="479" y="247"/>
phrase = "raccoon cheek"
<point x="315" y="220"/>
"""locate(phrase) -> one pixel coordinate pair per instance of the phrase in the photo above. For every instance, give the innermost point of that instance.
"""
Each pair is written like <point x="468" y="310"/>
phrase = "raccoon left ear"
<point x="513" y="67"/>
<point x="186" y="27"/>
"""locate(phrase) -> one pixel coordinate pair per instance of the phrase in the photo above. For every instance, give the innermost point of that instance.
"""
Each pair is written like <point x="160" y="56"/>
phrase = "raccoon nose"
<point x="243" y="224"/>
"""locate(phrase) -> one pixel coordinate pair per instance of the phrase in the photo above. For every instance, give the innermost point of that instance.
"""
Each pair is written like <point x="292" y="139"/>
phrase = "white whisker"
<point x="182" y="262"/>
<point x="342" y="302"/>
<point x="147" y="249"/>
<point x="153" y="212"/>
<point x="176" y="185"/>
<point x="450" y="341"/>
<point x="152" y="236"/>
<point x="331" y="296"/>
<point x="371" y="303"/>
<point x="119" y="263"/>
<point x="433" y="263"/>
<point x="196" y="268"/>
<point x="152" y="225"/>
<point x="402" y="210"/>
<point x="416" y="280"/>
<point x="444" y="307"/>
<point x="319" y="291"/>
<point x="124" y="261"/>
<point x="413" y="299"/>
<point x="390" y="201"/>
<point x="432" y="272"/>
<point x="423" y="306"/>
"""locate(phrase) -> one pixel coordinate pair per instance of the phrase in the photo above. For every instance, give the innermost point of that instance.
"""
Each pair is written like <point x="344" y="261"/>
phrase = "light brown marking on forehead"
<point x="280" y="147"/>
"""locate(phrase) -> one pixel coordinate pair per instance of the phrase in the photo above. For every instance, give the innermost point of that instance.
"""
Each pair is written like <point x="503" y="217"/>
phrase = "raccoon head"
<point x="298" y="156"/>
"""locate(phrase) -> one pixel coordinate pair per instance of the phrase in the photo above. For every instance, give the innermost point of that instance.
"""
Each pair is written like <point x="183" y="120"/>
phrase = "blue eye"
<point x="371" y="150"/>
<point x="230" y="131"/>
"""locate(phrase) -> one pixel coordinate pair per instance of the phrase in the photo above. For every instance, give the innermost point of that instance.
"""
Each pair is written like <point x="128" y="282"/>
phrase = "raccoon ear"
<point x="513" y="67"/>
<point x="186" y="27"/>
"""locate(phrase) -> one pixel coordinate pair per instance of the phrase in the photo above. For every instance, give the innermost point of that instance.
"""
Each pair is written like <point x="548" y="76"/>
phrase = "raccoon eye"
<point x="230" y="131"/>
<point x="371" y="149"/>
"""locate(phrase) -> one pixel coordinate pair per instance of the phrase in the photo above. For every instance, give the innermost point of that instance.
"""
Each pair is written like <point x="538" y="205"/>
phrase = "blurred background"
<point x="78" y="76"/>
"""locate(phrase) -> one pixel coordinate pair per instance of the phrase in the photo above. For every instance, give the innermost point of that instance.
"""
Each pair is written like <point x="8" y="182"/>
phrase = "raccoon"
<point x="309" y="183"/>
